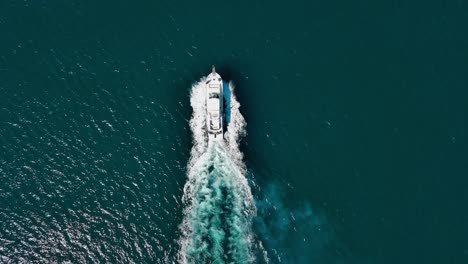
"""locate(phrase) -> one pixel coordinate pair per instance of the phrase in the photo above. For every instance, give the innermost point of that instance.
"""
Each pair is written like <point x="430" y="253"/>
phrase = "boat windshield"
<point x="214" y="95"/>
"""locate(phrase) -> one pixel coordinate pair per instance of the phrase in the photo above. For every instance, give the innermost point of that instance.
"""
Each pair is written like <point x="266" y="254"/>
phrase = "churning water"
<point x="218" y="200"/>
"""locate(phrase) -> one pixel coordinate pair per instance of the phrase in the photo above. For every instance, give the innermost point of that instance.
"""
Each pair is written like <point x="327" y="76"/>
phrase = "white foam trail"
<point x="198" y="121"/>
<point x="219" y="205"/>
<point x="235" y="129"/>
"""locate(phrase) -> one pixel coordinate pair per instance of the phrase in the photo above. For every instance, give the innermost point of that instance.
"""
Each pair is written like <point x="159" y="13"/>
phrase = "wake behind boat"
<point x="214" y="105"/>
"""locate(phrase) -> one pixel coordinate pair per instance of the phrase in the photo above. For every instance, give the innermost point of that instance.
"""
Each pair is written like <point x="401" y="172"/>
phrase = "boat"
<point x="214" y="105"/>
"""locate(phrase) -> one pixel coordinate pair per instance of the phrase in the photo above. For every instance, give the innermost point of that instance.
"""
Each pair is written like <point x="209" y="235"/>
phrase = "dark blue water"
<point x="355" y="113"/>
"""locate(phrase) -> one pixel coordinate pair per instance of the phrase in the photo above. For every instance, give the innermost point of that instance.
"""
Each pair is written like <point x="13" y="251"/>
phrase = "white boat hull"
<point x="214" y="106"/>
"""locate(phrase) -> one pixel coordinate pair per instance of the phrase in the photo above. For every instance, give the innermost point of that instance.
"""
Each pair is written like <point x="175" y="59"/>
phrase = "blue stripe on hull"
<point x="227" y="102"/>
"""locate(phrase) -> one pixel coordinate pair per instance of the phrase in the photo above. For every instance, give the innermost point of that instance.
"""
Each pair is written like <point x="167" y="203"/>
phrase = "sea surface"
<point x="349" y="143"/>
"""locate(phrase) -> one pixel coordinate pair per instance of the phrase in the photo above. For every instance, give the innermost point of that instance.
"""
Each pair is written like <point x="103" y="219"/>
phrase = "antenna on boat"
<point x="213" y="69"/>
